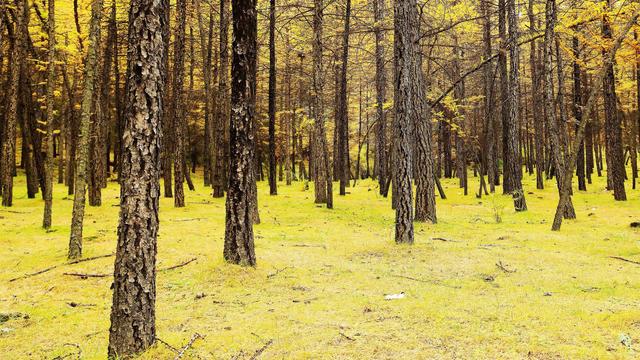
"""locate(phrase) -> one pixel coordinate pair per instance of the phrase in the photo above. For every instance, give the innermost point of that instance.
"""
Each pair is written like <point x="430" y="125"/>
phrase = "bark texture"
<point x="133" y="327"/>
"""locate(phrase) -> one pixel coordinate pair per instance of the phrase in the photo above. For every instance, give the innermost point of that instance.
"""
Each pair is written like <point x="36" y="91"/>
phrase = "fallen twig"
<point x="179" y="265"/>
<point x="195" y="337"/>
<point x="90" y="258"/>
<point x="84" y="276"/>
<point x="34" y="274"/>
<point x="502" y="267"/>
<point x="443" y="239"/>
<point x="56" y="266"/>
<point x="190" y="219"/>
<point x="278" y="271"/>
<point x="167" y="345"/>
<point x="434" y="282"/>
<point x="308" y="245"/>
<point x="261" y="350"/>
<point x="627" y="260"/>
<point x="346" y="337"/>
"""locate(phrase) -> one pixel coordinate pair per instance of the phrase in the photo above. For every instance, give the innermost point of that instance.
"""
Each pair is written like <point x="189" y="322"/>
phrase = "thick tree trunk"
<point x="222" y="107"/>
<point x="238" y="244"/>
<point x="133" y="327"/>
<point x="504" y="97"/>
<point x="408" y="109"/>
<point x="577" y="111"/>
<point x="322" y="172"/>
<point x="9" y="133"/>
<point x="613" y="130"/>
<point x="82" y="150"/>
<point x="489" y="150"/>
<point x="513" y="165"/>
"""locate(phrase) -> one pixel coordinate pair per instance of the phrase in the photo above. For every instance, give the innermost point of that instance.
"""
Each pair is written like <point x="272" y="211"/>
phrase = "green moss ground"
<point x="318" y="290"/>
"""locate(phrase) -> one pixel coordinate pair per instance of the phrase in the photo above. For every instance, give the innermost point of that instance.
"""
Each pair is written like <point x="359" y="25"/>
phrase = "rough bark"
<point x="513" y="165"/>
<point x="343" y="136"/>
<point x="536" y="91"/>
<point x="222" y="109"/>
<point x="406" y="63"/>
<point x="238" y="244"/>
<point x="273" y="186"/>
<point x="82" y="151"/>
<point x="381" y="96"/>
<point x="613" y="130"/>
<point x="134" y="288"/>
<point x="176" y="111"/>
<point x="9" y="132"/>
<point x="322" y="170"/>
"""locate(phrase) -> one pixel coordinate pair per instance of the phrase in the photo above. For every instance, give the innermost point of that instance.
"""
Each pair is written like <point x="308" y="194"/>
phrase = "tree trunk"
<point x="513" y="165"/>
<point x="273" y="186"/>
<point x="222" y="108"/>
<point x="176" y="111"/>
<point x="536" y="101"/>
<point x="82" y="150"/>
<point x="9" y="142"/>
<point x="613" y="130"/>
<point x="381" y="96"/>
<point x="343" y="136"/>
<point x="238" y="244"/>
<point x="408" y="75"/>
<point x="505" y="102"/>
<point x="323" y="184"/>
<point x="133" y="327"/>
<point x="51" y="83"/>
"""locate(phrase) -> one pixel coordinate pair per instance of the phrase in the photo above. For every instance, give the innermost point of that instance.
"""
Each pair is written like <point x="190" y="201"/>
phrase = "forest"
<point x="326" y="179"/>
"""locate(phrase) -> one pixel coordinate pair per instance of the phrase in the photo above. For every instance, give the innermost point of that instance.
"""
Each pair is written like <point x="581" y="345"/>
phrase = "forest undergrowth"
<point x="469" y="288"/>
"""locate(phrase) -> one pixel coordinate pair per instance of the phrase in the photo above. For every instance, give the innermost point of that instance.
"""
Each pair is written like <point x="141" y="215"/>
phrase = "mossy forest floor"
<point x="474" y="288"/>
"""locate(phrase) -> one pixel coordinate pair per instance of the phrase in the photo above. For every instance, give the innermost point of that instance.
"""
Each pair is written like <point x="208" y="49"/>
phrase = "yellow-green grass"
<point x="318" y="290"/>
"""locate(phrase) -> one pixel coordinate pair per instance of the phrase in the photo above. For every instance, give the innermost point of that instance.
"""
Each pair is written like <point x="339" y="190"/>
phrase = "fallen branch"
<point x="179" y="265"/>
<point x="443" y="239"/>
<point x="167" y="345"/>
<point x="627" y="260"/>
<point x="85" y="276"/>
<point x="90" y="258"/>
<point x="191" y="219"/>
<point x="346" y="337"/>
<point x="502" y="267"/>
<point x="308" y="245"/>
<point x="34" y="274"/>
<point x="278" y="271"/>
<point x="434" y="282"/>
<point x="261" y="350"/>
<point x="56" y="266"/>
<point x="195" y="337"/>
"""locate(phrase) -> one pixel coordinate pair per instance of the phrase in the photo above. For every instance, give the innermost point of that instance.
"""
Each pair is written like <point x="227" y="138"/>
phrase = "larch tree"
<point x="322" y="170"/>
<point x="82" y="151"/>
<point x="381" y="96"/>
<point x="176" y="110"/>
<point x="50" y="99"/>
<point x="406" y="84"/>
<point x="238" y="240"/>
<point x="133" y="326"/>
<point x="273" y="186"/>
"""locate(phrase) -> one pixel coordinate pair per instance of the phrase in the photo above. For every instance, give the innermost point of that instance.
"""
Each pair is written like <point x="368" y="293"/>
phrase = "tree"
<point x="9" y="132"/>
<point x="342" y="124"/>
<point x="176" y="110"/>
<point x="513" y="167"/>
<point x="238" y="240"/>
<point x="613" y="131"/>
<point x="134" y="288"/>
<point x="322" y="173"/>
<point x="51" y="83"/>
<point x="381" y="97"/>
<point x="82" y="154"/>
<point x="222" y="109"/>
<point x="273" y="186"/>
<point x="406" y="84"/>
